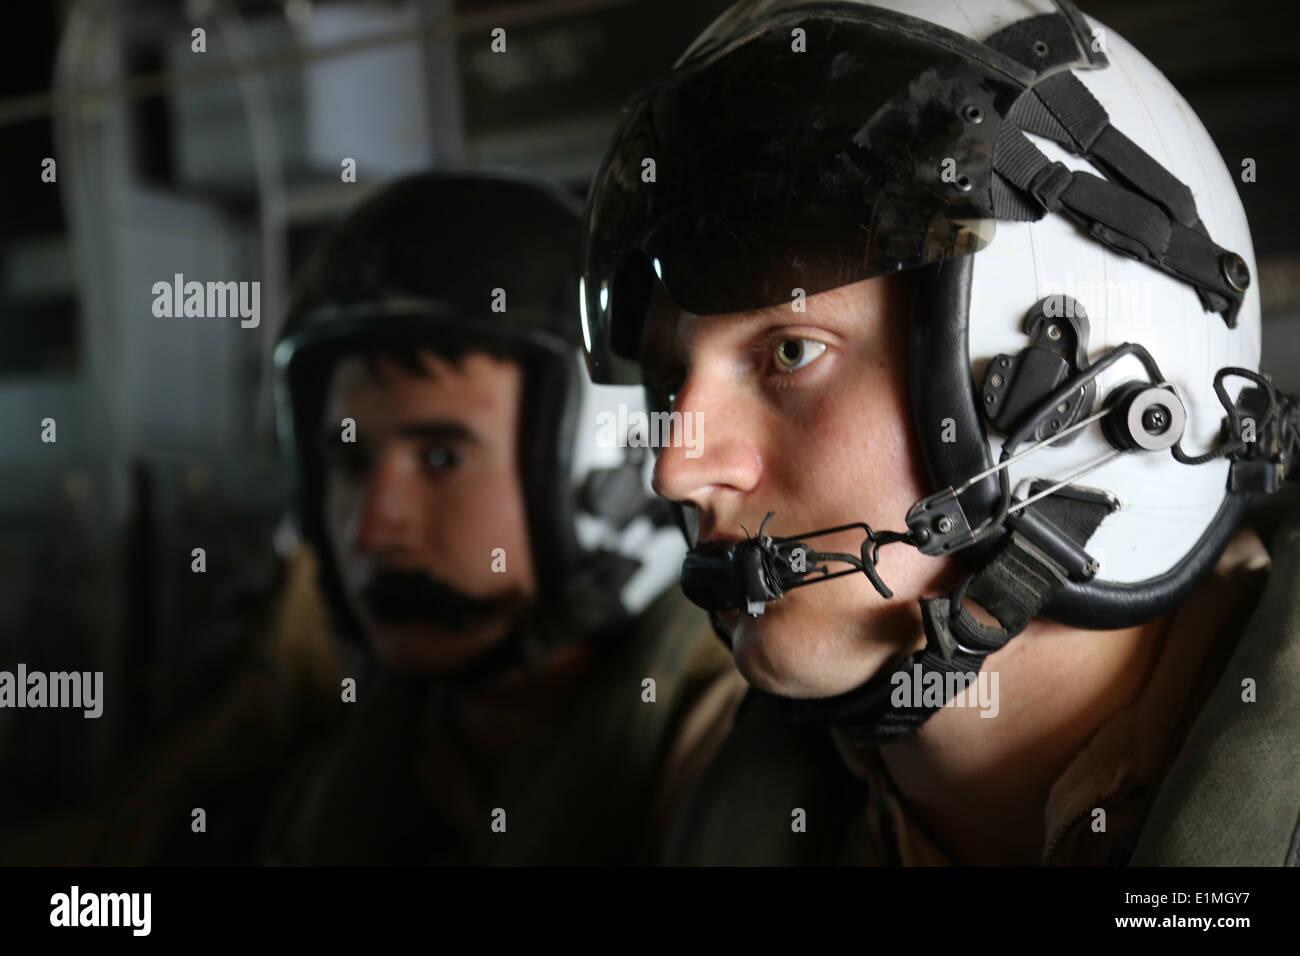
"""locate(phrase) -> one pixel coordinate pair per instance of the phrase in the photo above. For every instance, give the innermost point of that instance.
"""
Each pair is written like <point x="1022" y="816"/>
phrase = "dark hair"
<point x="408" y="359"/>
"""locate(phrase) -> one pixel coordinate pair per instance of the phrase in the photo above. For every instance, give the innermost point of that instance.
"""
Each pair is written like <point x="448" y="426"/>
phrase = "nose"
<point x="714" y="454"/>
<point x="386" y="526"/>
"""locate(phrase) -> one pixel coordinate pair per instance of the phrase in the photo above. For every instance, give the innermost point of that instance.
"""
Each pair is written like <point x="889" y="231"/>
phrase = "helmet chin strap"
<point x="1044" y="548"/>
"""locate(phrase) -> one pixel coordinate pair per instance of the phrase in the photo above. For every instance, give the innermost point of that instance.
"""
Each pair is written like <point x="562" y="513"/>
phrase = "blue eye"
<point x="440" y="459"/>
<point x="793" y="354"/>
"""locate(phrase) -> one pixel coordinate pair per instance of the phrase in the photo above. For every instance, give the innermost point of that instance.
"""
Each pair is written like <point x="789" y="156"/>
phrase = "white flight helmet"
<point x="1085" y="319"/>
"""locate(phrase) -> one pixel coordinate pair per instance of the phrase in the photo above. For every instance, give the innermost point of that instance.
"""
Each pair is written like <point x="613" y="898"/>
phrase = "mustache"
<point x="401" y="596"/>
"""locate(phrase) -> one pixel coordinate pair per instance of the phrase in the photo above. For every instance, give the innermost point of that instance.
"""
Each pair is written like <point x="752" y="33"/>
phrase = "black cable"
<point x="1234" y="444"/>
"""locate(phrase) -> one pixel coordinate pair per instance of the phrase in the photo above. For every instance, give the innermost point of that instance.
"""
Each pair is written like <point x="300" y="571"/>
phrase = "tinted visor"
<point x="772" y="161"/>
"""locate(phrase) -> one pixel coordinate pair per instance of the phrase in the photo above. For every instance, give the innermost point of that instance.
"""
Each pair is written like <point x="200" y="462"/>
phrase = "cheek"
<point x="875" y="418"/>
<point x="501" y="508"/>
<point x="854" y="458"/>
<point x="492" y="514"/>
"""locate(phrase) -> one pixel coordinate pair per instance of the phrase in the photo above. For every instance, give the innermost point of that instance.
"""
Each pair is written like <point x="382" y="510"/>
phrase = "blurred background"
<point x="226" y="164"/>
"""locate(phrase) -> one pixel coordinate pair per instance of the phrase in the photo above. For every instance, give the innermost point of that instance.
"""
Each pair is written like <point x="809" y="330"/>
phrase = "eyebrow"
<point x="439" y="431"/>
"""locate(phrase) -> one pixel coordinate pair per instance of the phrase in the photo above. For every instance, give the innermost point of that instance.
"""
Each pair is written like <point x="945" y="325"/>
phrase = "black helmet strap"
<point x="1146" y="214"/>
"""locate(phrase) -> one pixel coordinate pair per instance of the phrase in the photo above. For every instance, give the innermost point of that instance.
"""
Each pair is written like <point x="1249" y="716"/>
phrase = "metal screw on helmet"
<point x="996" y="381"/>
<point x="1041" y="48"/>
<point x="964" y="183"/>
<point x="1236" y="271"/>
<point x="1053" y="332"/>
<point x="943" y="524"/>
<point x="973" y="114"/>
<point x="1156" y="419"/>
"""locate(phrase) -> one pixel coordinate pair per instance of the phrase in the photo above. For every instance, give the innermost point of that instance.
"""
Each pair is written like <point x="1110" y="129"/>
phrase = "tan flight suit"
<point x="1188" y="773"/>
<point x="401" y="785"/>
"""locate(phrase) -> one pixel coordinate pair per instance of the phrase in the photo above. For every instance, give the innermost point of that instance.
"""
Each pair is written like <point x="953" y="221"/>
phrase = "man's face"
<point x="805" y="414"/>
<point x="430" y="489"/>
